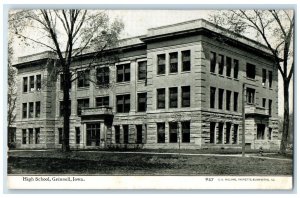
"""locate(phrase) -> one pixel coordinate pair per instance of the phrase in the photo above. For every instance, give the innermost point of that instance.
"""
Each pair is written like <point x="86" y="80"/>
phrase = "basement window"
<point x="185" y="127"/>
<point x="173" y="131"/>
<point x="250" y="71"/>
<point x="161" y="132"/>
<point x="261" y="131"/>
<point x="212" y="132"/>
<point x="24" y="136"/>
<point x="235" y="133"/>
<point x="220" y="133"/>
<point x="126" y="134"/>
<point x="60" y="135"/>
<point x="117" y="134"/>
<point x="37" y="135"/>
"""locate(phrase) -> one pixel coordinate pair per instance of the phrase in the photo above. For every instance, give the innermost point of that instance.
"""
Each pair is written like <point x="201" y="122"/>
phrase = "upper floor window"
<point x="221" y="93"/>
<point x="185" y="96"/>
<point x="102" y="101"/>
<point x="250" y="95"/>
<point x="235" y="68"/>
<point x="25" y="84"/>
<point x="213" y="61"/>
<point x="250" y="71"/>
<point x="142" y="102"/>
<point x="102" y="75"/>
<point x="270" y="107"/>
<point x="31" y="110"/>
<point x="264" y="102"/>
<point x="82" y="103"/>
<point x="221" y="64"/>
<point x="123" y="103"/>
<point x="31" y="83"/>
<point x="173" y="97"/>
<point x="123" y="72"/>
<point x="83" y="78"/>
<point x="212" y="97"/>
<point x="142" y="70"/>
<point x="270" y="79"/>
<point x="161" y="98"/>
<point x="38" y="82"/>
<point x="186" y="60"/>
<point x="235" y="101"/>
<point x="37" y="109"/>
<point x="264" y="77"/>
<point x="24" y="110"/>
<point x="173" y="62"/>
<point x="62" y="107"/>
<point x="228" y="100"/>
<point x="161" y="64"/>
<point x="228" y="66"/>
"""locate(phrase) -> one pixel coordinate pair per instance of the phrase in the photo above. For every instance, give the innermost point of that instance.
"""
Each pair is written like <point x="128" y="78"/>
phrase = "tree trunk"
<point x="286" y="118"/>
<point x="66" y="97"/>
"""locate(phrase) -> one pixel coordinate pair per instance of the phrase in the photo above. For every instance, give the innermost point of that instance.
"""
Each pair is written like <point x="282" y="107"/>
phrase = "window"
<point x="173" y="62"/>
<point x="139" y="134"/>
<point x="161" y="64"/>
<point x="212" y="97"/>
<point x="24" y="136"/>
<point x="220" y="133"/>
<point x="142" y="70"/>
<point x="83" y="78"/>
<point x="264" y="77"/>
<point x="270" y="79"/>
<point x="161" y="93"/>
<point x="38" y="82"/>
<point x="185" y="126"/>
<point x="117" y="134"/>
<point x="37" y="109"/>
<point x="261" y="131"/>
<point x="60" y="135"/>
<point x="250" y="95"/>
<point x="62" y="82"/>
<point x="235" y="68"/>
<point x="123" y="103"/>
<point x="235" y="133"/>
<point x="186" y="60"/>
<point x="185" y="96"/>
<point x="123" y="72"/>
<point x="126" y="134"/>
<point x="221" y="93"/>
<point x="25" y="84"/>
<point x="235" y="101"/>
<point x="264" y="102"/>
<point x="228" y="100"/>
<point x="77" y="130"/>
<point x="228" y="129"/>
<point x="161" y="132"/>
<point x="228" y="66"/>
<point x="213" y="61"/>
<point x="93" y="134"/>
<point x="30" y="134"/>
<point x="270" y="107"/>
<point x="250" y="71"/>
<point x="31" y="83"/>
<point x="173" y="97"/>
<point x="142" y="102"/>
<point x="62" y="108"/>
<point x="81" y="104"/>
<point x="270" y="134"/>
<point x="173" y="126"/>
<point x="102" y="75"/>
<point x="24" y="114"/>
<point x="221" y="64"/>
<point x="37" y="135"/>
<point x="102" y="101"/>
<point x="31" y="110"/>
<point x="212" y="132"/>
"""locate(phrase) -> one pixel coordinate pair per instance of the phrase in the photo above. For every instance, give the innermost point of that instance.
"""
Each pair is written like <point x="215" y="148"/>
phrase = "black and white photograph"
<point x="160" y="93"/>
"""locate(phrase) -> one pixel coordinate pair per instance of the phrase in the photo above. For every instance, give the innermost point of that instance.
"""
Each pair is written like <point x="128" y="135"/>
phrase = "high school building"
<point x="179" y="85"/>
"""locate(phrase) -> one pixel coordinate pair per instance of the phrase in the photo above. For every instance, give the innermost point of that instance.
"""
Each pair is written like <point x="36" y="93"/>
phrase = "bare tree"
<point x="68" y="33"/>
<point x="274" y="28"/>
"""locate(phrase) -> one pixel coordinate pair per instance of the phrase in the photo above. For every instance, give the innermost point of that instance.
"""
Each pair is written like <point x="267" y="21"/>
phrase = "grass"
<point x="97" y="163"/>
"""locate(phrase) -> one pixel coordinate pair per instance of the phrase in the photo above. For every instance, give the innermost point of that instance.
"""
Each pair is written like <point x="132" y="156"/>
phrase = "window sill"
<point x="173" y="73"/>
<point x="159" y="75"/>
<point x="229" y="77"/>
<point x="81" y="88"/>
<point x="186" y="72"/>
<point x="123" y="83"/>
<point x="251" y="79"/>
<point x="236" y="79"/>
<point x="213" y="73"/>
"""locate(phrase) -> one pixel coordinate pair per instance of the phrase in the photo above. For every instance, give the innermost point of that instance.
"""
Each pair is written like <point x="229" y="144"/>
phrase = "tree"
<point x="275" y="28"/>
<point x="68" y="33"/>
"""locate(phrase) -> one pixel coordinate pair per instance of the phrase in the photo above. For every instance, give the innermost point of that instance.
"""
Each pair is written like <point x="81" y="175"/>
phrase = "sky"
<point x="136" y="22"/>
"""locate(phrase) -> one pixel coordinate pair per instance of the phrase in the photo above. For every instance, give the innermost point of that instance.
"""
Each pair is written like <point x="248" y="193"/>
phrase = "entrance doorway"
<point x="93" y="134"/>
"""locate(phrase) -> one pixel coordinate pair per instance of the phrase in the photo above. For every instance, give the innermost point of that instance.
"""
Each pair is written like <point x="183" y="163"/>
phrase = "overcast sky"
<point x="136" y="22"/>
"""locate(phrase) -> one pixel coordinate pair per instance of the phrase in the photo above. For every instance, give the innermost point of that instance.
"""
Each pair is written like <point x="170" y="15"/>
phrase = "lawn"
<point x="98" y="163"/>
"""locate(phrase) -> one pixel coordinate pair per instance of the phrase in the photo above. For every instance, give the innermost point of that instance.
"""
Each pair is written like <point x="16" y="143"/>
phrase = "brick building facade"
<point x="181" y="83"/>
